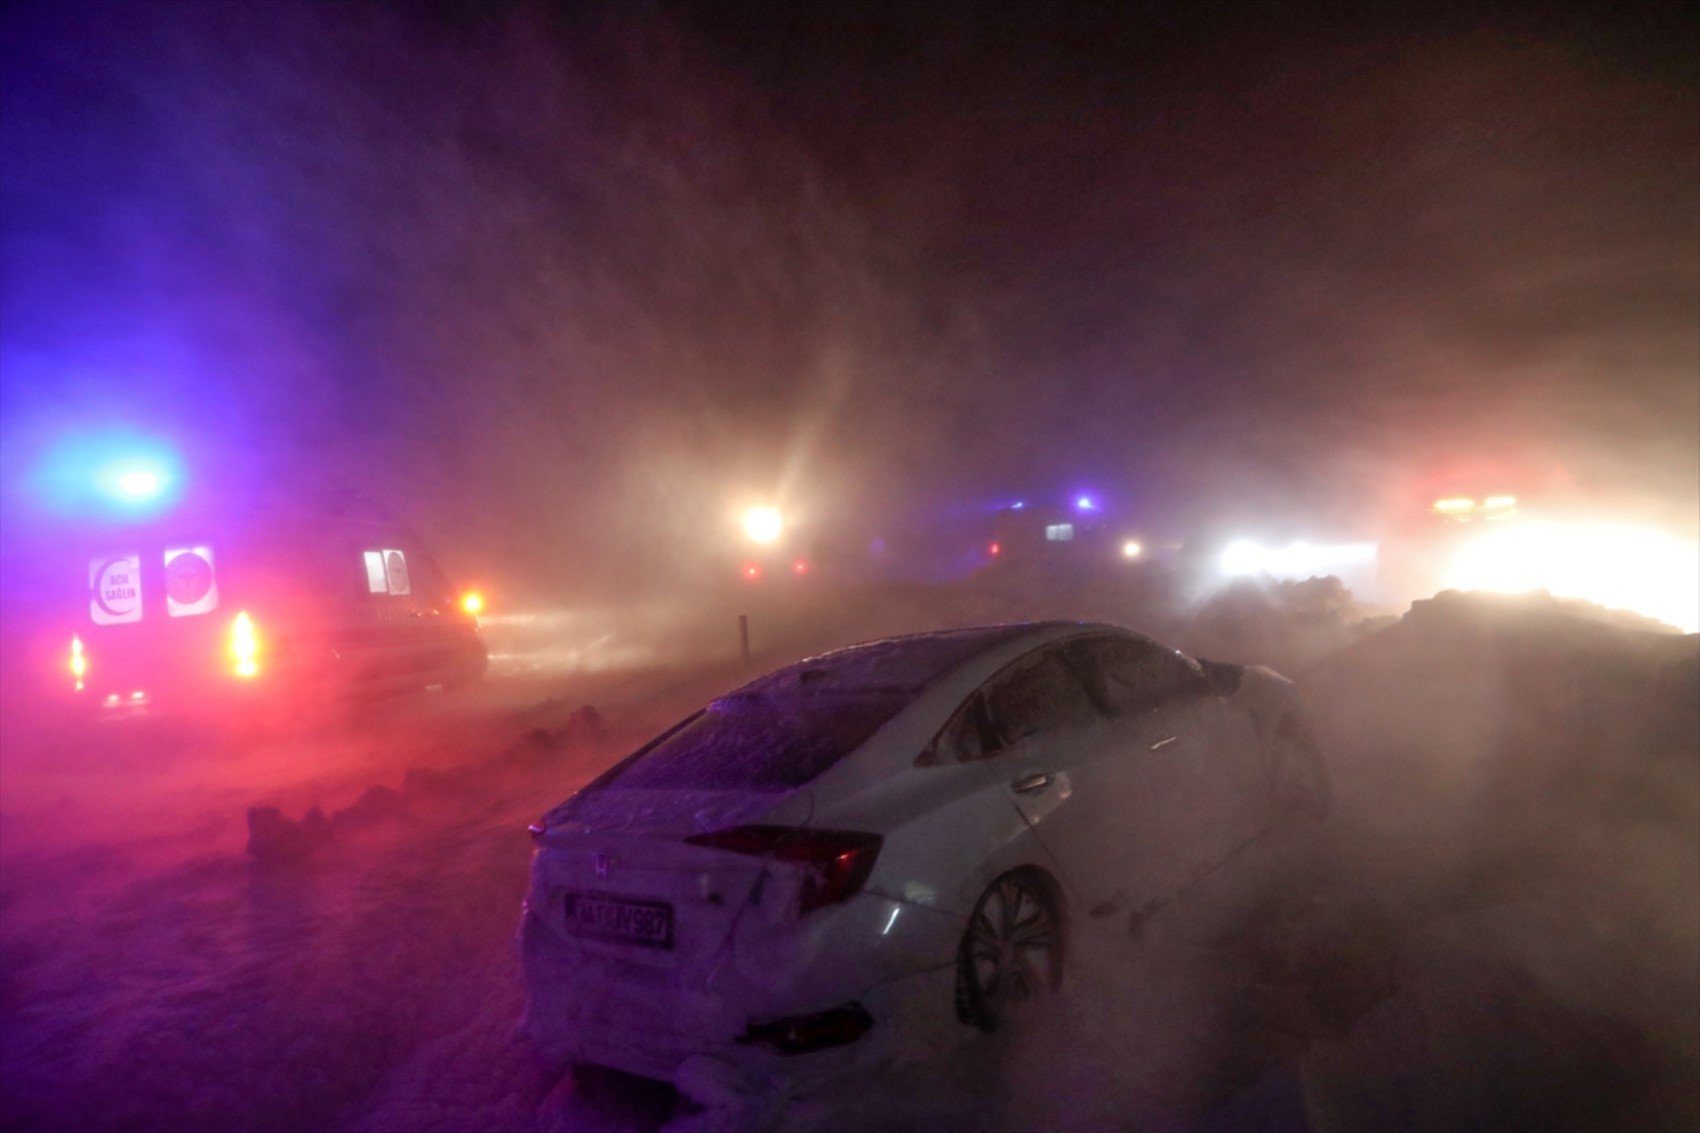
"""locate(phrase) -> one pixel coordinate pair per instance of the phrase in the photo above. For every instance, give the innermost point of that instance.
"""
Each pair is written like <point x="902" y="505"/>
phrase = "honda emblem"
<point x="602" y="862"/>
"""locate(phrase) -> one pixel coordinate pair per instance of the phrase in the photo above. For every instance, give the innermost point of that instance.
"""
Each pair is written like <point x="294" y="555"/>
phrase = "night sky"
<point x="567" y="283"/>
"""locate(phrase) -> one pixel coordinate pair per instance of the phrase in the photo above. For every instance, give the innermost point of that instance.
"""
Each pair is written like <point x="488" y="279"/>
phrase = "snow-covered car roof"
<point x="904" y="664"/>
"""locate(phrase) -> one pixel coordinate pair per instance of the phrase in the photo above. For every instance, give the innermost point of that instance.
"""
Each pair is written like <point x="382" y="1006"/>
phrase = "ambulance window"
<point x="375" y="581"/>
<point x="190" y="585"/>
<point x="386" y="572"/>
<point x="395" y="572"/>
<point x="115" y="589"/>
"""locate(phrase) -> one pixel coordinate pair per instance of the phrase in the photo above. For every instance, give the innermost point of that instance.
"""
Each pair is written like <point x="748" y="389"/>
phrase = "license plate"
<point x="600" y="917"/>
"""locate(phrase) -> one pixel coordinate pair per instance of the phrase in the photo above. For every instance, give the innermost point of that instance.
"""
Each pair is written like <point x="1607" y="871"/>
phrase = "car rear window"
<point x="785" y="729"/>
<point x="756" y="743"/>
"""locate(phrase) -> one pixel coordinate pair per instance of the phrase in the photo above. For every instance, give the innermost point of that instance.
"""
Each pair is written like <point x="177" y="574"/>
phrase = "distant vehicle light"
<point x="1296" y="561"/>
<point x="1086" y="503"/>
<point x="79" y="661"/>
<point x="1499" y="503"/>
<point x="1242" y="557"/>
<point x="801" y="566"/>
<point x="994" y="549"/>
<point x="138" y="696"/>
<point x="763" y="524"/>
<point x="1017" y="505"/>
<point x="752" y="571"/>
<point x="1454" y="505"/>
<point x="472" y="602"/>
<point x="244" y="647"/>
<point x="1131" y="549"/>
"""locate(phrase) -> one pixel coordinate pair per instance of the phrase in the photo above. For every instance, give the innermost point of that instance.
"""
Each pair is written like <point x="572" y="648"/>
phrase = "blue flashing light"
<point x="108" y="475"/>
<point x="132" y="483"/>
<point x="1017" y="505"/>
<point x="1086" y="503"/>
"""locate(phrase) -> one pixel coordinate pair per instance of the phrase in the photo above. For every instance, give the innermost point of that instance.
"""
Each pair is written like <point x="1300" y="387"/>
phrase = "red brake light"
<point x="244" y="647"/>
<point x="79" y="661"/>
<point x="836" y="863"/>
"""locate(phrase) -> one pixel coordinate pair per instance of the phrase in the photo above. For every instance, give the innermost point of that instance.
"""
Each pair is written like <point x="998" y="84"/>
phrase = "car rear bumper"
<point x="691" y="1038"/>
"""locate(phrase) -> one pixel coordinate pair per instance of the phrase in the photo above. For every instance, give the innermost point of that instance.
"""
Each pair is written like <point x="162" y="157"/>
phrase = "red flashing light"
<point x="995" y="549"/>
<point x="752" y="572"/>
<point x="801" y="566"/>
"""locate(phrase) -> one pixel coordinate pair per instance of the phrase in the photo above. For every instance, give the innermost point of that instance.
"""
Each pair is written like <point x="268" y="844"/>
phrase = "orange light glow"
<point x="752" y="572"/>
<point x="472" y="602"/>
<point x="1131" y="549"/>
<point x="801" y="566"/>
<point x="1499" y="503"/>
<point x="244" y="646"/>
<point x="1454" y="504"/>
<point x="79" y="661"/>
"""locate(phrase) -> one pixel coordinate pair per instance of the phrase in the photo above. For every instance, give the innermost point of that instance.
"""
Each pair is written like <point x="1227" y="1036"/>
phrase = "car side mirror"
<point x="1221" y="678"/>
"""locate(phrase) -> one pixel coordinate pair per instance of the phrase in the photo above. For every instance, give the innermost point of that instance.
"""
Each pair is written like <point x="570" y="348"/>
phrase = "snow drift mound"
<point x="1517" y="777"/>
<point x="1285" y="625"/>
<point x="1476" y="704"/>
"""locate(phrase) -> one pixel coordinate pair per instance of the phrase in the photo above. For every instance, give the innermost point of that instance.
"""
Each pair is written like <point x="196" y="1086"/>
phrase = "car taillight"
<point x="835" y="862"/>
<point x="79" y="661"/>
<point x="244" y="647"/>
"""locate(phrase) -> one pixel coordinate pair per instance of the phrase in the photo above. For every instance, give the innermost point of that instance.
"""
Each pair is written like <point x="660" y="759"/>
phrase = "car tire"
<point x="1300" y="776"/>
<point x="1013" y="950"/>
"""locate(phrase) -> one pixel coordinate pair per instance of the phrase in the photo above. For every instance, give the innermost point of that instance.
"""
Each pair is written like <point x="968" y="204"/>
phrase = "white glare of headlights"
<point x="1298" y="561"/>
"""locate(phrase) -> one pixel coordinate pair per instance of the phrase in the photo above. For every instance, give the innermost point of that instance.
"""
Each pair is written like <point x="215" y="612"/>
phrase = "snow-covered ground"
<point x="1512" y="920"/>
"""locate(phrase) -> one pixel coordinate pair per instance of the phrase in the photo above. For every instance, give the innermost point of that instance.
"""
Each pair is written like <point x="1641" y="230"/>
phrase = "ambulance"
<point x="280" y="604"/>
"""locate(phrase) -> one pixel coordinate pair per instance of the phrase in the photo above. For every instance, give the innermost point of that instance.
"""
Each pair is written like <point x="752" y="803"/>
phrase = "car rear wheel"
<point x="1012" y="951"/>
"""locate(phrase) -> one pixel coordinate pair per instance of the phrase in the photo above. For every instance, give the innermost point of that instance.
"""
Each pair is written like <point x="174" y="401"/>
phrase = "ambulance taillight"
<point x="244" y="647"/>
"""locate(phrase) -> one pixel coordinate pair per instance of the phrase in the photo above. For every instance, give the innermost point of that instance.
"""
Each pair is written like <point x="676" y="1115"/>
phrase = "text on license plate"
<point x="600" y="917"/>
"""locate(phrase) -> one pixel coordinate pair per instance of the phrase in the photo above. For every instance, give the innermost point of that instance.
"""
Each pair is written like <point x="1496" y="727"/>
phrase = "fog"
<point x="568" y="288"/>
<point x="573" y="284"/>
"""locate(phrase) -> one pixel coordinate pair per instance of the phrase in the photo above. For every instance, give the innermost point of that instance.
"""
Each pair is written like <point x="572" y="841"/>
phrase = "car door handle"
<point x="1032" y="784"/>
<point x="1164" y="742"/>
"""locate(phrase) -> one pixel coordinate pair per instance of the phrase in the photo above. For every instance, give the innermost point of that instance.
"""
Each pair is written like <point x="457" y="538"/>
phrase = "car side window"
<point x="1132" y="676"/>
<point x="961" y="739"/>
<point x="1038" y="694"/>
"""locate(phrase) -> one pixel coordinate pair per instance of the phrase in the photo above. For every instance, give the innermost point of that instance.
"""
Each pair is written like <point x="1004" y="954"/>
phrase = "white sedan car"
<point x="819" y="872"/>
